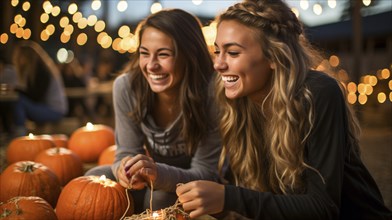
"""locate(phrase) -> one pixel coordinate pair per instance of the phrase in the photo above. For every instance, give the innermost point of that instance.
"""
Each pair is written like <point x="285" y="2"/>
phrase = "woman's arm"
<point x="129" y="137"/>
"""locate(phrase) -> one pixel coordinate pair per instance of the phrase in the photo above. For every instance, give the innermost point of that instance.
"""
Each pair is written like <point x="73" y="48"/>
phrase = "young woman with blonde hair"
<point x="288" y="133"/>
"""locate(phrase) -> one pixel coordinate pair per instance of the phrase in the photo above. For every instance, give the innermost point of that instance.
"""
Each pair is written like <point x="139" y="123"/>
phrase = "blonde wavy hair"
<point x="271" y="136"/>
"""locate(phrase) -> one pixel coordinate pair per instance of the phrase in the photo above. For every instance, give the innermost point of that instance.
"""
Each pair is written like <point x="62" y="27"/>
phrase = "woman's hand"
<point x="201" y="197"/>
<point x="135" y="172"/>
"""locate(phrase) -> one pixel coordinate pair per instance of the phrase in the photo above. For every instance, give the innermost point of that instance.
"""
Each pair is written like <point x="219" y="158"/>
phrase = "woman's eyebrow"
<point x="226" y="45"/>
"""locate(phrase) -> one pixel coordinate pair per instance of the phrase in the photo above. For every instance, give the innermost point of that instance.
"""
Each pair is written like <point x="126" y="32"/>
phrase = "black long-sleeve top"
<point x="349" y="191"/>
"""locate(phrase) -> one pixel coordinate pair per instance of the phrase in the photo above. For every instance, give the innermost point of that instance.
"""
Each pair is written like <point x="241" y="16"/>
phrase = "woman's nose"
<point x="220" y="64"/>
<point x="152" y="64"/>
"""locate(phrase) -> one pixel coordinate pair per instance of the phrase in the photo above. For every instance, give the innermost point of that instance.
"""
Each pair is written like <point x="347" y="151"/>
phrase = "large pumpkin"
<point x="27" y="147"/>
<point x="90" y="141"/>
<point x="93" y="197"/>
<point x="107" y="156"/>
<point x="28" y="178"/>
<point x="63" y="162"/>
<point x="29" y="208"/>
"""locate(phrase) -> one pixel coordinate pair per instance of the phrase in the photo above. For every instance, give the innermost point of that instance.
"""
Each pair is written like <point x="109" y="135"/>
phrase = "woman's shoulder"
<point x="122" y="81"/>
<point x="322" y="84"/>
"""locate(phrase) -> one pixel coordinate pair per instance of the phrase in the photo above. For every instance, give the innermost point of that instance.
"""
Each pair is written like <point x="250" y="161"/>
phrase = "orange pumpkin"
<point x="107" y="156"/>
<point x="27" y="147"/>
<point x="93" y="197"/>
<point x="28" y="178"/>
<point x="90" y="141"/>
<point x="22" y="207"/>
<point x="63" y="162"/>
<point x="60" y="140"/>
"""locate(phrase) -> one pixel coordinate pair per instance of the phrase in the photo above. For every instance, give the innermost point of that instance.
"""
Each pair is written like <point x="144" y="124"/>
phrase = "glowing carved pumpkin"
<point x="63" y="162"/>
<point x="27" y="147"/>
<point x="107" y="156"/>
<point x="93" y="197"/>
<point x="31" y="207"/>
<point x="28" y="178"/>
<point x="90" y="141"/>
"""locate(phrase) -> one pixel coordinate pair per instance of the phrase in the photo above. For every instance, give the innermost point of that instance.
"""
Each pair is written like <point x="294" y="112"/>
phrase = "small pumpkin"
<point x="107" y="156"/>
<point x="60" y="140"/>
<point x="28" y="178"/>
<point x="63" y="162"/>
<point x="93" y="197"/>
<point x="27" y="207"/>
<point x="90" y="141"/>
<point x="27" y="147"/>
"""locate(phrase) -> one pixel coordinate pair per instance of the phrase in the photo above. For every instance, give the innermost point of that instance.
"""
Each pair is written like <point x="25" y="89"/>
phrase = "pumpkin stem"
<point x="28" y="167"/>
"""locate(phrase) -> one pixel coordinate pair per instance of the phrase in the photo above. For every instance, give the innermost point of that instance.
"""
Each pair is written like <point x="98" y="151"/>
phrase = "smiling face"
<point x="240" y="61"/>
<point x="157" y="61"/>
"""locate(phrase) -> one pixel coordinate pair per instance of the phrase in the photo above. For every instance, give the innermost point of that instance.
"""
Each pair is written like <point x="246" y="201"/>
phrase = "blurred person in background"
<point x="42" y="97"/>
<point x="7" y="84"/>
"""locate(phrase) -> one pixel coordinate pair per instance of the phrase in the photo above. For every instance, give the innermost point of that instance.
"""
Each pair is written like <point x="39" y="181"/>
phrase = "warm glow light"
<point x="91" y="20"/>
<point x="385" y="73"/>
<point x="31" y="135"/>
<point x="26" y="33"/>
<point x="197" y="2"/>
<point x="155" y="7"/>
<point x="47" y="6"/>
<point x="209" y="33"/>
<point x="99" y="26"/>
<point x="362" y="99"/>
<point x="44" y="18"/>
<point x="381" y="97"/>
<point x="68" y="30"/>
<point x="77" y="16"/>
<point x="62" y="55"/>
<point x="18" y="18"/>
<point x="26" y="6"/>
<point x="368" y="89"/>
<point x="390" y="84"/>
<point x="50" y="28"/>
<point x="366" y="2"/>
<point x="351" y="87"/>
<point x="373" y="80"/>
<point x="102" y="178"/>
<point x="124" y="31"/>
<point x="317" y="9"/>
<point x="44" y="35"/>
<point x="155" y="215"/>
<point x="19" y="32"/>
<point x="334" y="61"/>
<point x="4" y="38"/>
<point x="82" y="39"/>
<point x="390" y="96"/>
<point x="64" y="38"/>
<point x="14" y="3"/>
<point x="122" y="6"/>
<point x="361" y="88"/>
<point x="100" y="36"/>
<point x="304" y="4"/>
<point x="332" y="3"/>
<point x="95" y="5"/>
<point x="56" y="11"/>
<point x="351" y="98"/>
<point x="64" y="21"/>
<point x="13" y="28"/>
<point x="89" y="126"/>
<point x="72" y="8"/>
<point x="82" y="23"/>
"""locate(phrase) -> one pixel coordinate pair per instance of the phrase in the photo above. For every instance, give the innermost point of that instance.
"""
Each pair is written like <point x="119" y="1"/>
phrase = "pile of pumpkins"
<point x="44" y="177"/>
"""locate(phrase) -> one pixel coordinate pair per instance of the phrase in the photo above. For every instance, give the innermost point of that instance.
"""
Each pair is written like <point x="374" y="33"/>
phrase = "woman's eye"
<point x="143" y="53"/>
<point x="216" y="52"/>
<point x="233" y="53"/>
<point x="163" y="54"/>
